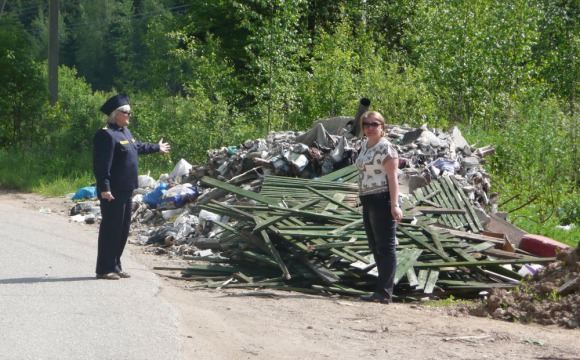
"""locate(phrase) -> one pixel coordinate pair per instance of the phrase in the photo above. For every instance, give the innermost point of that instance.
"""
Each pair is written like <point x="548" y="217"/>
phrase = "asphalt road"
<point x="52" y="307"/>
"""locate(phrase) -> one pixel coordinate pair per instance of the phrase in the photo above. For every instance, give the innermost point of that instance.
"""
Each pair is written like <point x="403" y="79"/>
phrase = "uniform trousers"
<point x="113" y="231"/>
<point x="381" y="231"/>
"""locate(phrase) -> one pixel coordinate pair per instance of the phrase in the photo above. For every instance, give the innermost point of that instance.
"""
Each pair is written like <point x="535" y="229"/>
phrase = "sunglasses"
<point x="373" y="124"/>
<point x="128" y="113"/>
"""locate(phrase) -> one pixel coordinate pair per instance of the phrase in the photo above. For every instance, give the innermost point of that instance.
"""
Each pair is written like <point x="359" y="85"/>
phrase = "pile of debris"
<point x="331" y="144"/>
<point x="549" y="297"/>
<point x="283" y="213"/>
<point x="307" y="235"/>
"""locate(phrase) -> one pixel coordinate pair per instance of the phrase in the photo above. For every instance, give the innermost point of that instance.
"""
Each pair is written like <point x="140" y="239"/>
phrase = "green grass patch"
<point x="450" y="301"/>
<point x="62" y="186"/>
<point x="45" y="173"/>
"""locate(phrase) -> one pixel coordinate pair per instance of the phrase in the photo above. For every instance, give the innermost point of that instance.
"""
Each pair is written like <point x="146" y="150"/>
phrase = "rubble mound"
<point x="550" y="297"/>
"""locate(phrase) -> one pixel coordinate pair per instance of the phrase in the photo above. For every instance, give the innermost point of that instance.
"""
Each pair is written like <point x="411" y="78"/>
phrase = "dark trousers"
<point x="381" y="229"/>
<point x="114" y="231"/>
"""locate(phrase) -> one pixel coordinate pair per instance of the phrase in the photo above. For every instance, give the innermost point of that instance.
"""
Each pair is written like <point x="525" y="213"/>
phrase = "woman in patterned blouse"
<point x="378" y="163"/>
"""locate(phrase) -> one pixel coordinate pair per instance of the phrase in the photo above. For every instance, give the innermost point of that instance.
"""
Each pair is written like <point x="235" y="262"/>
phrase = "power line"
<point x="26" y="10"/>
<point x="135" y="17"/>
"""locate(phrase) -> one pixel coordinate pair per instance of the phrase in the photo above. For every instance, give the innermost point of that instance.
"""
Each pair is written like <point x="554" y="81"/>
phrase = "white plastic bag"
<point x="182" y="168"/>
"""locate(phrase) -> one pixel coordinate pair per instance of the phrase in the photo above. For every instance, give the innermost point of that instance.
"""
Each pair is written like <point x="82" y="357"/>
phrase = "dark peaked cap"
<point x="114" y="103"/>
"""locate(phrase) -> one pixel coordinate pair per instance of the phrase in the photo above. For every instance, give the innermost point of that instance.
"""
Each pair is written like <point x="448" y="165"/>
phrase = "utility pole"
<point x="53" y="52"/>
<point x="2" y="7"/>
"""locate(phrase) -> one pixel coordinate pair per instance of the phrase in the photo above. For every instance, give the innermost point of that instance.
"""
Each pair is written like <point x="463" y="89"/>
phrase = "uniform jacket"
<point x="115" y="163"/>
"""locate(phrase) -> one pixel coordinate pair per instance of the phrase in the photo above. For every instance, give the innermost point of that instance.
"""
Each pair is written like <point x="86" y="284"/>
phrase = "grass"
<point x="528" y="220"/>
<point x="43" y="173"/>
<point x="61" y="186"/>
<point x="450" y="301"/>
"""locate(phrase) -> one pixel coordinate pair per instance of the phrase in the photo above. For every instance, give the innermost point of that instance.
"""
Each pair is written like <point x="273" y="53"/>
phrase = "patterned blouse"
<point x="372" y="177"/>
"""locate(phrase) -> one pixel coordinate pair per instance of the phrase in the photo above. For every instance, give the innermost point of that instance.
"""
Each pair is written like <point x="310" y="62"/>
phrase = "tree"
<point x="477" y="54"/>
<point x="275" y="48"/>
<point x="558" y="56"/>
<point x="23" y="89"/>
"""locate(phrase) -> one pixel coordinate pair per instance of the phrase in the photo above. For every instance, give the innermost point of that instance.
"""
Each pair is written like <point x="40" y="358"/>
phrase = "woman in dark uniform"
<point x="115" y="165"/>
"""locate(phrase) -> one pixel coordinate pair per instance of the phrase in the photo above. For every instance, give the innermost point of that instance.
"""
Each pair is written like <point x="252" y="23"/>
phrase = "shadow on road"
<point x="33" y="280"/>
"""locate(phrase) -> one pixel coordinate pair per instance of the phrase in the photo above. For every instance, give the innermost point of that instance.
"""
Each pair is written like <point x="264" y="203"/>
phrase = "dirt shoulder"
<point x="265" y="324"/>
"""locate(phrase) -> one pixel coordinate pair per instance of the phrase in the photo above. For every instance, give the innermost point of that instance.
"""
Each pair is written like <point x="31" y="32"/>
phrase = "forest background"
<point x="206" y="74"/>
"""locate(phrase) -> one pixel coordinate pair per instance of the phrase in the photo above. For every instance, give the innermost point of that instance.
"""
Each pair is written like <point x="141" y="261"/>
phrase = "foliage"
<point x="450" y="301"/>
<point x="206" y="74"/>
<point x="532" y="167"/>
<point x="35" y="171"/>
<point x="275" y="47"/>
<point x="477" y="53"/>
<point x="22" y="92"/>
<point x="333" y="65"/>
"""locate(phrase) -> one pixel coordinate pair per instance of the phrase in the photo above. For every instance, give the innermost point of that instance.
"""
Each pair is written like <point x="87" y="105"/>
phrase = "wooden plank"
<point x="345" y="219"/>
<point x="422" y="279"/>
<point x="405" y="260"/>
<point x="321" y="271"/>
<point x="531" y="260"/>
<point x="237" y="190"/>
<point x="460" y="200"/>
<point x="425" y="244"/>
<point x="320" y="234"/>
<point x="332" y="201"/>
<point x="478" y="226"/>
<point x="345" y="171"/>
<point x="365" y="265"/>
<point x="354" y="254"/>
<point x="276" y="255"/>
<point x="421" y="198"/>
<point x="412" y="278"/>
<point x="434" y="238"/>
<point x="441" y="199"/>
<point x="465" y="256"/>
<point x="482" y="246"/>
<point x="451" y="199"/>
<point x="473" y="236"/>
<point x="262" y="224"/>
<point x="503" y="254"/>
<point x="243" y="277"/>
<point x="439" y="210"/>
<point x="431" y="281"/>
<point x="357" y="223"/>
<point x="336" y="199"/>
<point x="329" y="245"/>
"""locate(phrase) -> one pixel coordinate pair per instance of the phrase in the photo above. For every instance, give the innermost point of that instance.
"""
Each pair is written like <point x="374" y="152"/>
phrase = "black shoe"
<point x="376" y="297"/>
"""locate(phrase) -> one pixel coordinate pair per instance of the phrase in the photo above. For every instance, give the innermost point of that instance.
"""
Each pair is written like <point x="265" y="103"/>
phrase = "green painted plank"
<point x="426" y="245"/>
<point x="412" y="278"/>
<point x="237" y="190"/>
<point x="431" y="281"/>
<point x="263" y="224"/>
<point x="478" y="226"/>
<point x="456" y="192"/>
<point x="276" y="255"/>
<point x="405" y="260"/>
<point x="467" y="257"/>
<point x="439" y="198"/>
<point x="336" y="200"/>
<point x="422" y="279"/>
<point x="530" y="260"/>
<point x="449" y="196"/>
<point x="335" y="175"/>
